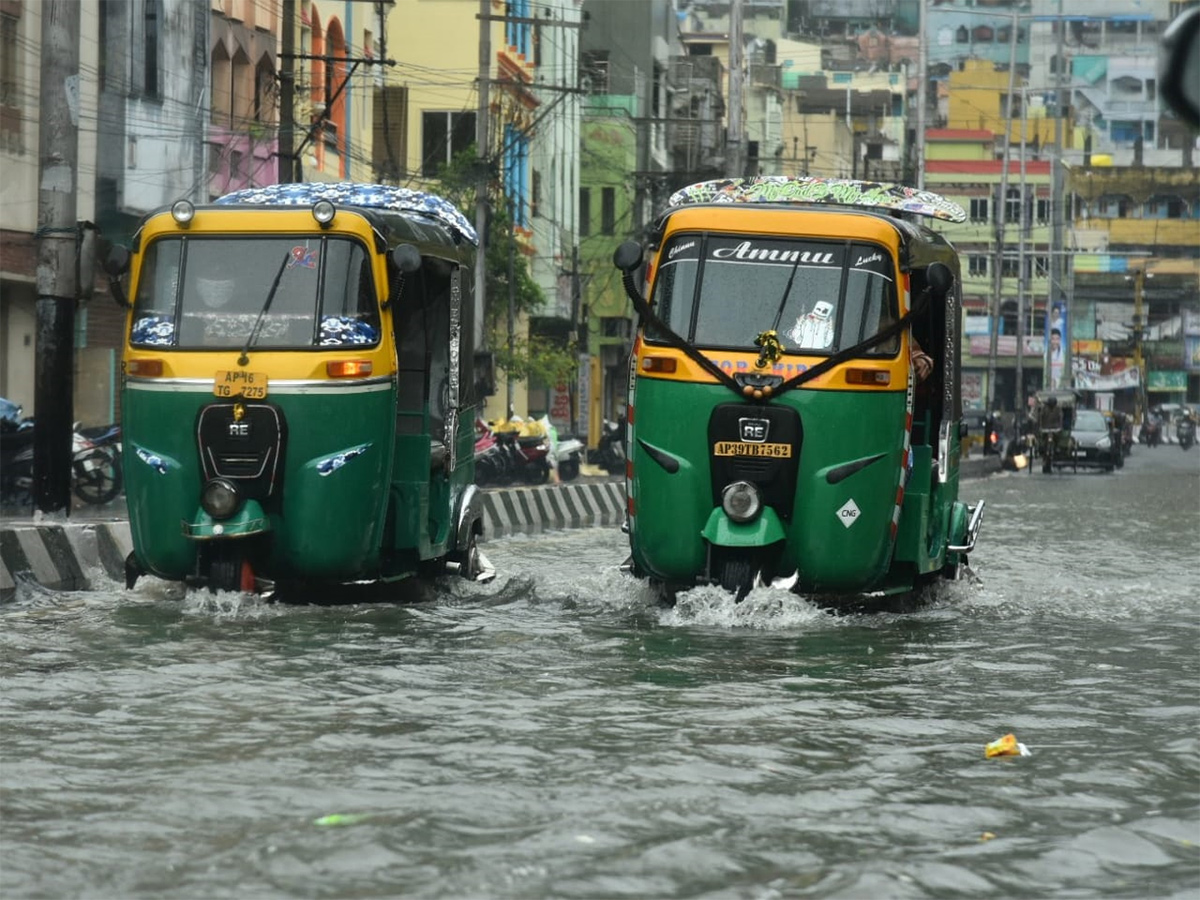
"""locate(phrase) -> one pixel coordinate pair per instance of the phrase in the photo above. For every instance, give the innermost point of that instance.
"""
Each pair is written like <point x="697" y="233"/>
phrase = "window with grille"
<point x="8" y="60"/>
<point x="608" y="210"/>
<point x="585" y="212"/>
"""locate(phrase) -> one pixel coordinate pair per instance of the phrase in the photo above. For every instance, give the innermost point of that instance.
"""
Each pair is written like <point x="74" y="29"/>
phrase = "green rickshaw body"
<point x="298" y="389"/>
<point x="349" y="502"/>
<point x="671" y="509"/>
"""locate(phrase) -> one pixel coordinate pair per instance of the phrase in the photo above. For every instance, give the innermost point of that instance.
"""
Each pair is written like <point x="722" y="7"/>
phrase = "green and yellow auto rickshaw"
<point x="297" y="397"/>
<point x="778" y="433"/>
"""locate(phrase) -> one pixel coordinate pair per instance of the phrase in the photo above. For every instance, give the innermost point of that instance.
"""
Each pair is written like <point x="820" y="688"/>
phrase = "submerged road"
<point x="558" y="735"/>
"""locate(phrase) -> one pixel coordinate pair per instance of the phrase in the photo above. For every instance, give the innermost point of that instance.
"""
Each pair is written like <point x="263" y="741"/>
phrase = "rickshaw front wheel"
<point x="229" y="570"/>
<point x="736" y="575"/>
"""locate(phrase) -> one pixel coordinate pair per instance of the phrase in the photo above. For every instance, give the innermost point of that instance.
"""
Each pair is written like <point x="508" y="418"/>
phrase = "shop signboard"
<point x="1166" y="380"/>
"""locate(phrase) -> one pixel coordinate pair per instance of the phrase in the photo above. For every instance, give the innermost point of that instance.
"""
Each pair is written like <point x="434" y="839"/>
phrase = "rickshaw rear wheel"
<point x="470" y="568"/>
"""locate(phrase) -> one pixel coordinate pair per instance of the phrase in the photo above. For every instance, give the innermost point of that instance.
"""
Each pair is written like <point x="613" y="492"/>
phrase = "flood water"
<point x="558" y="735"/>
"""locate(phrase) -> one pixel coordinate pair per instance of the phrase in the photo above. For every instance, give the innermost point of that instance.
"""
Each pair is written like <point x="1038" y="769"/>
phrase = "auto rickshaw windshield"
<point x="820" y="296"/>
<point x="209" y="292"/>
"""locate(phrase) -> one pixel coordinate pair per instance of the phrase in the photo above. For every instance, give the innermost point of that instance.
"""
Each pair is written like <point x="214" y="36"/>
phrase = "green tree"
<point x="538" y="358"/>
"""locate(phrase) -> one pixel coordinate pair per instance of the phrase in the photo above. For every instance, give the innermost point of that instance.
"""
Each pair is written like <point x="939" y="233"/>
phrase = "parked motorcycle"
<point x="490" y="459"/>
<point x="1185" y="431"/>
<point x="610" y="455"/>
<point x="517" y="452"/>
<point x="96" y="462"/>
<point x="566" y="454"/>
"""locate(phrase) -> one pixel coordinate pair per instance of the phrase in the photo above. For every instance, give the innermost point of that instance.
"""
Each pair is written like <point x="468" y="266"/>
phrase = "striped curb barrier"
<point x="67" y="556"/>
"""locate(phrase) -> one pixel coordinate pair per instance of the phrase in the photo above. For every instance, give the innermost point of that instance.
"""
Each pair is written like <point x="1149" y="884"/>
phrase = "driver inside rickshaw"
<point x="1050" y="416"/>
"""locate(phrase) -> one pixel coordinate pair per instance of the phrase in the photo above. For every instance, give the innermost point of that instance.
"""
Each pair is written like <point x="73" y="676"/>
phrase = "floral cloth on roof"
<point x="811" y="189"/>
<point x="349" y="193"/>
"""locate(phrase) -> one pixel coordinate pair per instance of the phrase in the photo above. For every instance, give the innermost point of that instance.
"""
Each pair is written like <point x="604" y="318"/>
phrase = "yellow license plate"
<point x="739" y="448"/>
<point x="239" y="383"/>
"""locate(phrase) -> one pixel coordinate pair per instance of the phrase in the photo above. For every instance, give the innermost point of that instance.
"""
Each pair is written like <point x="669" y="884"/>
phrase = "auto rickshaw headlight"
<point x="220" y="498"/>
<point x="741" y="501"/>
<point x="182" y="211"/>
<point x="323" y="211"/>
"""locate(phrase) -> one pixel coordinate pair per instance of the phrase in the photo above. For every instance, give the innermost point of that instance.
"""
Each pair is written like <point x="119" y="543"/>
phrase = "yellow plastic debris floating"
<point x="1005" y="746"/>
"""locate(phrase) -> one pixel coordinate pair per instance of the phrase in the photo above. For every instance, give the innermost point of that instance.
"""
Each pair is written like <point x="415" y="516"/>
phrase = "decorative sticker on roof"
<point x="834" y="191"/>
<point x="349" y="193"/>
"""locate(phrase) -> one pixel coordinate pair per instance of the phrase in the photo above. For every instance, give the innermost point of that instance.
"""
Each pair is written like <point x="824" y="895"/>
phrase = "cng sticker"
<point x="848" y="514"/>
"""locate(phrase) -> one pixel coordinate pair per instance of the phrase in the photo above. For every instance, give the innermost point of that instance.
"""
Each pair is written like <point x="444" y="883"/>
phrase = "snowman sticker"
<point x="814" y="329"/>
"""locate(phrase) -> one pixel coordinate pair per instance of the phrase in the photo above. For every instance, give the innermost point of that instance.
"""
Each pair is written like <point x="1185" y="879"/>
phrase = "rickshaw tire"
<point x="224" y="575"/>
<point x="470" y="568"/>
<point x="736" y="575"/>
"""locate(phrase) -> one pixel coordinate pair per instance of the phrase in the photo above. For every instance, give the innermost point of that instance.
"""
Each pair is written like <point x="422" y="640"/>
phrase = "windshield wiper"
<point x="244" y="359"/>
<point x="786" y="290"/>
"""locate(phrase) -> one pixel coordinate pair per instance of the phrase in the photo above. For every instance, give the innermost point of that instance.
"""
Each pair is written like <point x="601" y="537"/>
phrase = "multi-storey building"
<point x="141" y="115"/>
<point x="335" y="69"/>
<point x="243" y="110"/>
<point x="20" y="102"/>
<point x="553" y="192"/>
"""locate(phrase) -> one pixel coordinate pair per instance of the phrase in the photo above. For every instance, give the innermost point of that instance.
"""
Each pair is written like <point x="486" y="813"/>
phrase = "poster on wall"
<point x="972" y="389"/>
<point x="1191" y="353"/>
<point x="1057" y="330"/>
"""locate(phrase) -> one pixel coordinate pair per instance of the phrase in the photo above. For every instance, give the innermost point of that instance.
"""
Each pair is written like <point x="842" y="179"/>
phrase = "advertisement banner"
<point x="972" y="389"/>
<point x="560" y="405"/>
<point x="973" y="325"/>
<point x="1164" y="380"/>
<point x="583" y="388"/>
<point x="1006" y="345"/>
<point x="1089" y="379"/>
<point x="1191" y="350"/>
<point x="1057" y="329"/>
<point x="1191" y="323"/>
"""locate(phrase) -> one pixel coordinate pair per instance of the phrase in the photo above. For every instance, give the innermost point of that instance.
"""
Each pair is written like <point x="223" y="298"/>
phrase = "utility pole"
<point x="734" y="160"/>
<point x="287" y="94"/>
<point x="1001" y="210"/>
<point x="1022" y="279"/>
<point x="512" y="323"/>
<point x="57" y="244"/>
<point x="922" y="89"/>
<point x="1057" y="210"/>
<point x="481" y="176"/>
<point x="1139" y="331"/>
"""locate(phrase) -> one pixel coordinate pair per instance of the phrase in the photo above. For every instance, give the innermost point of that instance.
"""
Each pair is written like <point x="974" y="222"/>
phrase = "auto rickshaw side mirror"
<point x="628" y="256"/>
<point x="940" y="280"/>
<point x="407" y="258"/>
<point x="115" y="265"/>
<point x="1179" y="67"/>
